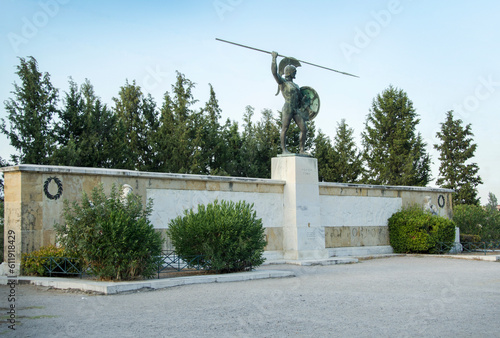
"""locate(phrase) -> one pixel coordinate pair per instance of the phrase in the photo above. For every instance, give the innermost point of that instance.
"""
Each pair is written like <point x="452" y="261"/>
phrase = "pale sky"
<point x="444" y="54"/>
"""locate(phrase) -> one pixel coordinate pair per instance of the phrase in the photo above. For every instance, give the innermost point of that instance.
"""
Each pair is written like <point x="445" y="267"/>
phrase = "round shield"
<point x="287" y="61"/>
<point x="310" y="102"/>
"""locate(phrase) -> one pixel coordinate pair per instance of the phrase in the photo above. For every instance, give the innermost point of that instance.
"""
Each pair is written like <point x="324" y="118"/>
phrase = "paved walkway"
<point x="406" y="296"/>
<point x="109" y="288"/>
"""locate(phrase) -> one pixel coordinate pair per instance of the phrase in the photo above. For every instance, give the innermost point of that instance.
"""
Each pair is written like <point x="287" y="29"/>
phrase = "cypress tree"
<point x="164" y="137"/>
<point x="30" y="114"/>
<point x="323" y="151"/>
<point x="268" y="142"/>
<point x="394" y="153"/>
<point x="348" y="163"/>
<point x="249" y="147"/>
<point x="138" y="115"/>
<point x="456" y="149"/>
<point x="230" y="154"/>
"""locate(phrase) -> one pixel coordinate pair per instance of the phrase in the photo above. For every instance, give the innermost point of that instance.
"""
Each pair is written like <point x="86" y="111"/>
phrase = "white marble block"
<point x="303" y="234"/>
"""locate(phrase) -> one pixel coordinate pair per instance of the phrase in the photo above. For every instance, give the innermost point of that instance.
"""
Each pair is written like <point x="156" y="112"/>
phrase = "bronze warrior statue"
<point x="301" y="104"/>
<point x="294" y="103"/>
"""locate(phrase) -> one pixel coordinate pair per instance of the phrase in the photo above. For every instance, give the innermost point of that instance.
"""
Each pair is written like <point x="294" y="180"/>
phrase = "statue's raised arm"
<point x="274" y="69"/>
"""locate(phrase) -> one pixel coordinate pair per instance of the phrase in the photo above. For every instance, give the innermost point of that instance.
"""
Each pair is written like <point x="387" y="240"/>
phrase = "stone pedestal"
<point x="303" y="235"/>
<point x="457" y="246"/>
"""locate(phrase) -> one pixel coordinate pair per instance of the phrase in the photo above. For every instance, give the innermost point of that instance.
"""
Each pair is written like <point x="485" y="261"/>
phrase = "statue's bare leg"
<point x="285" y="124"/>
<point x="303" y="132"/>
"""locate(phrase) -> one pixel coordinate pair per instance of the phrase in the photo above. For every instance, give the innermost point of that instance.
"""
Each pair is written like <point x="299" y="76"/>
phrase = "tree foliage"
<point x="348" y="158"/>
<point x="86" y="124"/>
<point x="327" y="160"/>
<point x="249" y="147"/>
<point x="472" y="219"/>
<point x="456" y="149"/>
<point x="340" y="161"/>
<point x="138" y="115"/>
<point x="230" y="154"/>
<point x="30" y="114"/>
<point x="176" y="136"/>
<point x="179" y="137"/>
<point x="492" y="202"/>
<point x="210" y="132"/>
<point x="394" y="152"/>
<point x="268" y="142"/>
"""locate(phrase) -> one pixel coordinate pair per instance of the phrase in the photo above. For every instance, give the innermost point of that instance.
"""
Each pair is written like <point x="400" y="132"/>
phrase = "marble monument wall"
<point x="304" y="219"/>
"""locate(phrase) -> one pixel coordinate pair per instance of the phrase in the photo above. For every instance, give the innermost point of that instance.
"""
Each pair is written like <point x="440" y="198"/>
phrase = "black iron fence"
<point x="468" y="247"/>
<point x="171" y="262"/>
<point x="63" y="266"/>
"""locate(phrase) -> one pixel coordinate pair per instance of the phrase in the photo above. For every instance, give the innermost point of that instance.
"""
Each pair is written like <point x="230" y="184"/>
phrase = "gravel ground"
<point x="391" y="297"/>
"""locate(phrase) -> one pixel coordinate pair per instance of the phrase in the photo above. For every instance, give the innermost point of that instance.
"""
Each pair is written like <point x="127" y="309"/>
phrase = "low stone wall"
<point x="355" y="215"/>
<point x="303" y="218"/>
<point x="34" y="198"/>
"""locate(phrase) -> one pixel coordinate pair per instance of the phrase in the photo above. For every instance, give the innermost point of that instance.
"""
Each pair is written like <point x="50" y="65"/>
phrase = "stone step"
<point x="310" y="262"/>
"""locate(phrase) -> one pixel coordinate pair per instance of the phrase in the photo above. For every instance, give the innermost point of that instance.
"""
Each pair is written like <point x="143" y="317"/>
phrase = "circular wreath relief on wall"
<point x="47" y="187"/>
<point x="441" y="201"/>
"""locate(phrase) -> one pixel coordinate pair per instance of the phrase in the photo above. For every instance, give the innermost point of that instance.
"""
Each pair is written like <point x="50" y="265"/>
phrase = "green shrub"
<point x="112" y="236"/>
<point x="413" y="230"/>
<point x="33" y="264"/>
<point x="465" y="238"/>
<point x="227" y="234"/>
<point x="476" y="220"/>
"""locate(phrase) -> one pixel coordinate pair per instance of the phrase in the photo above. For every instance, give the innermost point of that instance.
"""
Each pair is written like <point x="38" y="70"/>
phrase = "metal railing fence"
<point x="469" y="247"/>
<point x="171" y="262"/>
<point x="63" y="266"/>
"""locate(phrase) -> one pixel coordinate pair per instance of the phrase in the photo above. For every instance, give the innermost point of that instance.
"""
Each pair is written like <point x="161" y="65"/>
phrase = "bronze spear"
<point x="265" y="51"/>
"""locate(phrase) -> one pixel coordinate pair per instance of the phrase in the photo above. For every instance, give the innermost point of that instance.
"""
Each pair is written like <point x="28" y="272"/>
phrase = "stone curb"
<point x="488" y="258"/>
<point x="377" y="256"/>
<point x="310" y="262"/>
<point x="109" y="288"/>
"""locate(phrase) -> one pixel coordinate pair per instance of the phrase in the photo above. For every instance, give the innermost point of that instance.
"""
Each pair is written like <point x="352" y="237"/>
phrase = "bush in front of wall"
<point x="37" y="263"/>
<point x="412" y="230"/>
<point x="112" y="235"/>
<point x="228" y="235"/>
